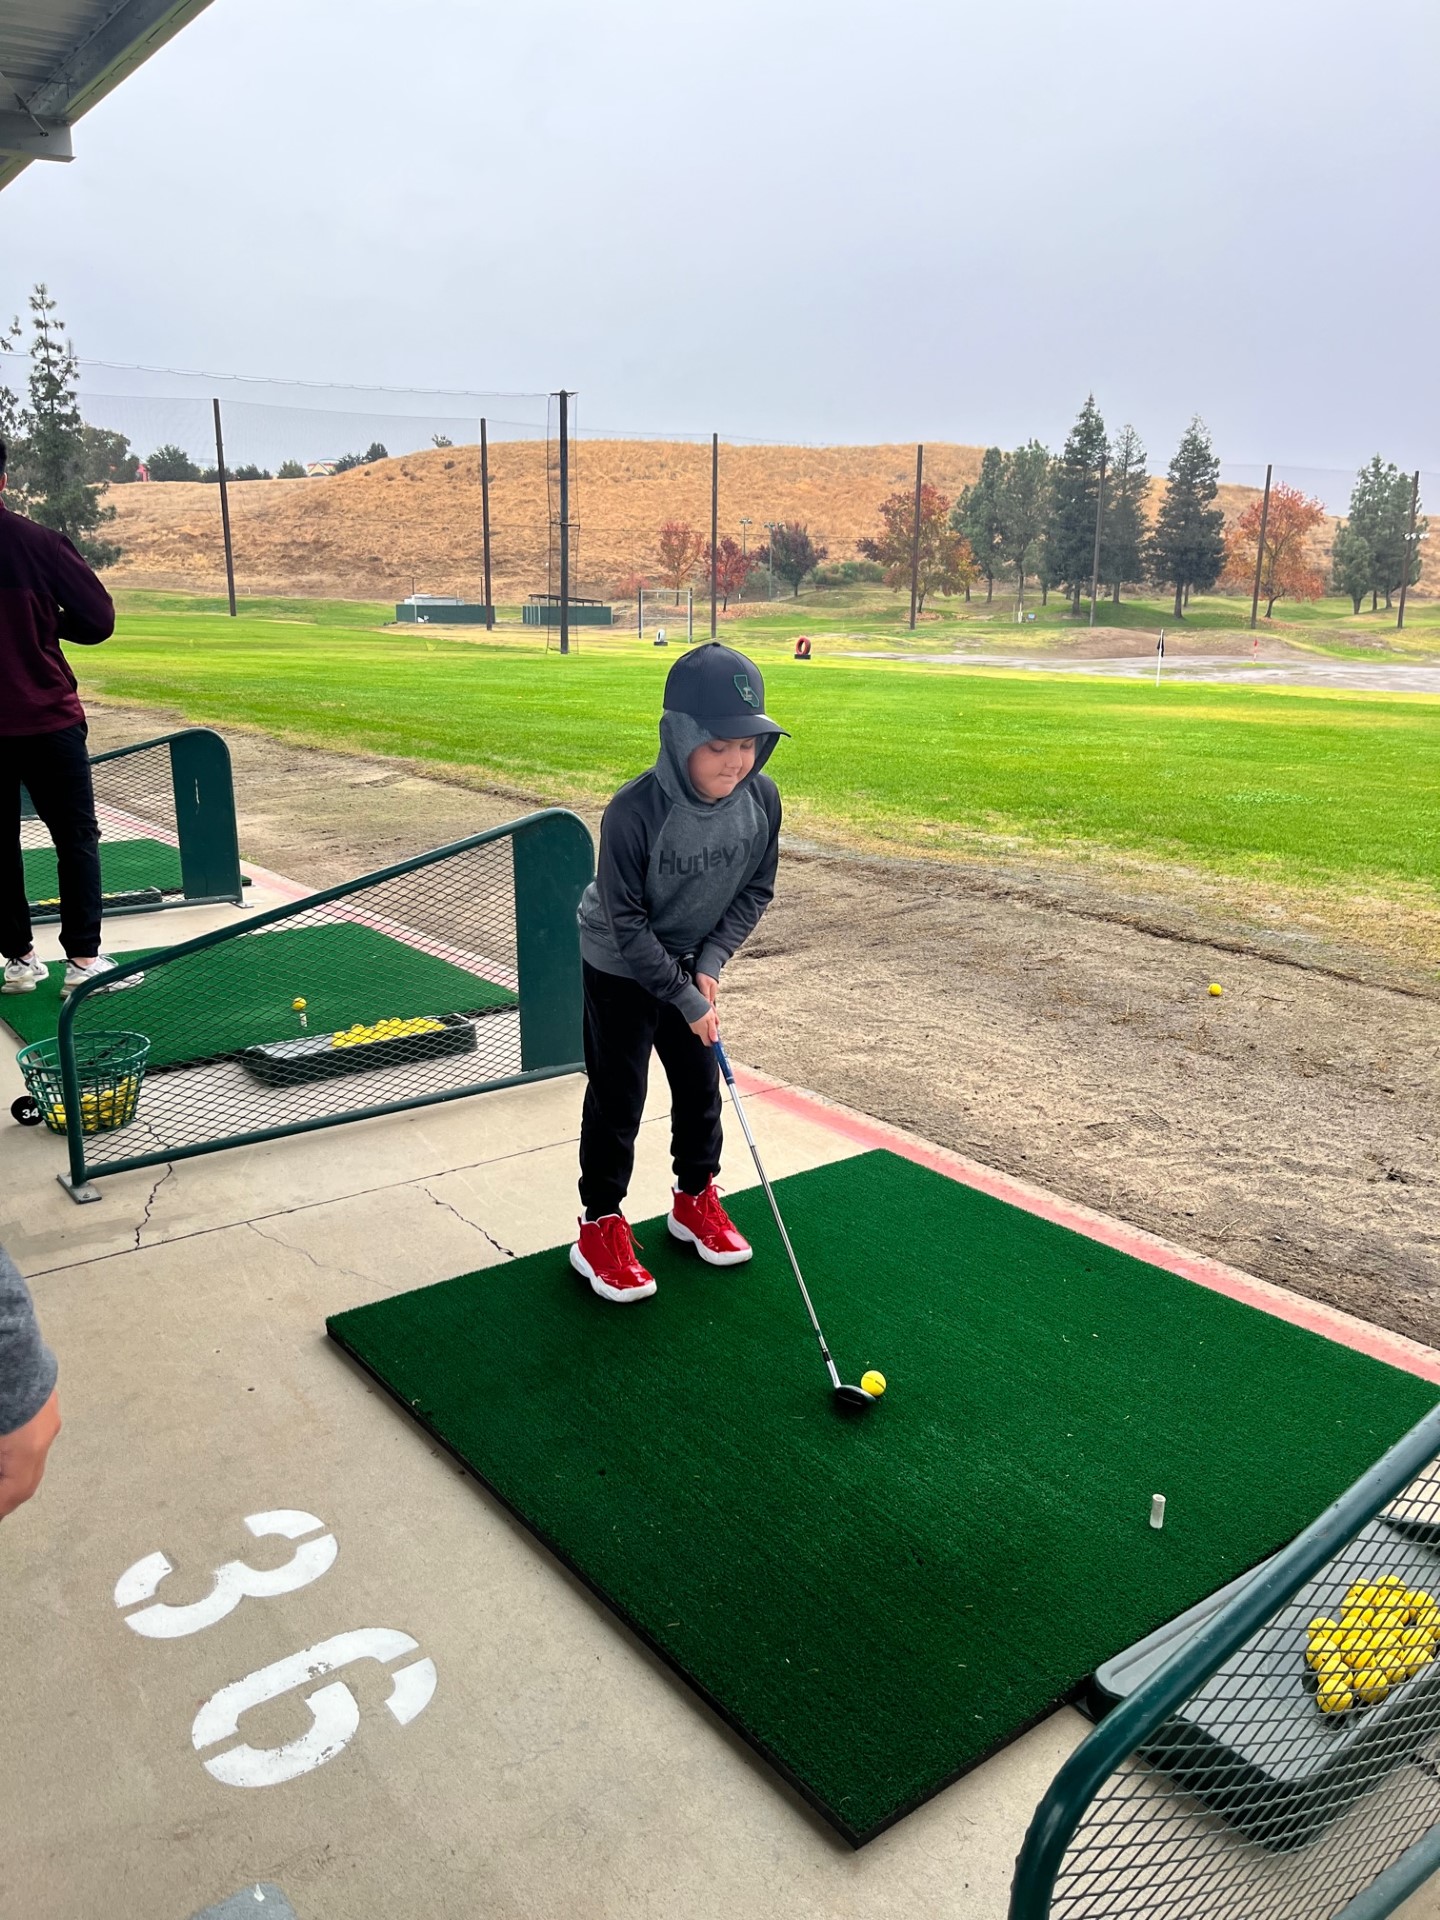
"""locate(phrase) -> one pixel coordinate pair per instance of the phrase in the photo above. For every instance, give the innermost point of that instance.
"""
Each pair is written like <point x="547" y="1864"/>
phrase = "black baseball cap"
<point x="722" y="690"/>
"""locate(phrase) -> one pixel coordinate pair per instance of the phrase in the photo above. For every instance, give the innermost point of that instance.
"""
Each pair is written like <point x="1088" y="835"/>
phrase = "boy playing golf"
<point x="686" y="868"/>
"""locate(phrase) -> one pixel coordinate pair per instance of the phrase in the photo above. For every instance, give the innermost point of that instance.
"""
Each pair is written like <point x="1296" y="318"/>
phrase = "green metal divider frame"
<point x="1129" y="1725"/>
<point x="204" y="791"/>
<point x="554" y="861"/>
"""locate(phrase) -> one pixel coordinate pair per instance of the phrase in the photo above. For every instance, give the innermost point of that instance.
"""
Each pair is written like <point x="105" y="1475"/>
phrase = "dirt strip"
<point x="1054" y="1023"/>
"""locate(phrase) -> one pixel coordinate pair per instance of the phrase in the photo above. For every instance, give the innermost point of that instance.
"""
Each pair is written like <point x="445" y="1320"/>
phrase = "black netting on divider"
<point x="139" y="836"/>
<point x="1302" y="1769"/>
<point x="402" y="990"/>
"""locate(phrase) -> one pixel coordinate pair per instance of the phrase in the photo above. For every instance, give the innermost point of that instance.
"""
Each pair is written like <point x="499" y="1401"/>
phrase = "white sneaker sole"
<point x="622" y="1296"/>
<point x="678" y="1231"/>
<point x="113" y="986"/>
<point x="19" y="986"/>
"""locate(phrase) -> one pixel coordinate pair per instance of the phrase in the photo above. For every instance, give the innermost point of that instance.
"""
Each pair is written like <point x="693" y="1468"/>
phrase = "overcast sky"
<point x="871" y="219"/>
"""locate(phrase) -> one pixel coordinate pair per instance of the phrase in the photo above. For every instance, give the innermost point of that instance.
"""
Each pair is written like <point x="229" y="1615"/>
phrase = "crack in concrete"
<point x="321" y="1266"/>
<point x="508" y="1252"/>
<point x="310" y="1206"/>
<point x="149" y="1204"/>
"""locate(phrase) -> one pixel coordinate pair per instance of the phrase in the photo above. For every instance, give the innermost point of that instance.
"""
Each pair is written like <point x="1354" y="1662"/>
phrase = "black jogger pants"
<point x="55" y="769"/>
<point x="622" y="1023"/>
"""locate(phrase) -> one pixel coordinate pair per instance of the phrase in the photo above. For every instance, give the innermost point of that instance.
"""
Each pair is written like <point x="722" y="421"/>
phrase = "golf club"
<point x="847" y="1396"/>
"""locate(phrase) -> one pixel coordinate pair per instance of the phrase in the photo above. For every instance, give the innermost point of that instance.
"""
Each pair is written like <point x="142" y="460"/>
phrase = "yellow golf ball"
<point x="298" y="1005"/>
<point x="1216" y="989"/>
<point x="873" y="1383"/>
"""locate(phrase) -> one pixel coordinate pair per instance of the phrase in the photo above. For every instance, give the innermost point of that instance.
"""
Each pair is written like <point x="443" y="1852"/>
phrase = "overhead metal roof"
<point x="59" y="57"/>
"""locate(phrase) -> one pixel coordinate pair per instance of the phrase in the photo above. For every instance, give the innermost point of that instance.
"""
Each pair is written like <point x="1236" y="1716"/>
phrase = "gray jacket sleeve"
<point x="620" y="884"/>
<point x="742" y="916"/>
<point x="27" y="1366"/>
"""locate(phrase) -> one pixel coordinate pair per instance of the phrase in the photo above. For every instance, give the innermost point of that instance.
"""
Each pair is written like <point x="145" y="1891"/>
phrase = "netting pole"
<point x="1260" y="550"/>
<point x="915" y="539"/>
<point x="224" y="508"/>
<point x="485" y="524"/>
<point x="564" y="521"/>
<point x="1409" y="549"/>
<point x="1095" y="564"/>
<point x="714" y="525"/>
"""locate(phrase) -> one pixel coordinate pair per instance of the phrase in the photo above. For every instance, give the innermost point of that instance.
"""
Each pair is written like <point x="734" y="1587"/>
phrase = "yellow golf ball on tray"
<point x="873" y="1383"/>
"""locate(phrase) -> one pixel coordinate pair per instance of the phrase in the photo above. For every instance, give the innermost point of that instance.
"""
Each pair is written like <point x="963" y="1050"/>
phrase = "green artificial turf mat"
<point x="239" y="993"/>
<point x="126" y="866"/>
<point x="878" y="1602"/>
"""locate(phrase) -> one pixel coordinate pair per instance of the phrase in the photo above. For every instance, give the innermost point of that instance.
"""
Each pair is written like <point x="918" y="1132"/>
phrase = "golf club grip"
<point x="724" y="1060"/>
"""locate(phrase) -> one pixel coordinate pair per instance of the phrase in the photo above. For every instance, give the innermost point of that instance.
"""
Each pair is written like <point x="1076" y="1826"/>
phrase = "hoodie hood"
<point x="680" y="735"/>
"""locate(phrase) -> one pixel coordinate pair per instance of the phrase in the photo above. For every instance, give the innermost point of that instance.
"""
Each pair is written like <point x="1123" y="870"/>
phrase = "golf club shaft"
<point x="724" y="1063"/>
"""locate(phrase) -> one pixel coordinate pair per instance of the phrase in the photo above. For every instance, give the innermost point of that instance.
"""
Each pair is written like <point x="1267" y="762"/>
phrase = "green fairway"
<point x="1299" y="786"/>
<point x="126" y="866"/>
<point x="879" y="1602"/>
<point x="238" y="994"/>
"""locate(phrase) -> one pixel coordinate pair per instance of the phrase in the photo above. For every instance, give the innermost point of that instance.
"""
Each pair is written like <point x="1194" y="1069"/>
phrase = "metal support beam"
<point x="34" y="139"/>
<point x="124" y="39"/>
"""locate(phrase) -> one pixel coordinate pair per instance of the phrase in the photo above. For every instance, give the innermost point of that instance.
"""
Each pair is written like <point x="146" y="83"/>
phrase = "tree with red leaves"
<point x="947" y="564"/>
<point x="679" y="550"/>
<point x="1286" y="570"/>
<point x="732" y="568"/>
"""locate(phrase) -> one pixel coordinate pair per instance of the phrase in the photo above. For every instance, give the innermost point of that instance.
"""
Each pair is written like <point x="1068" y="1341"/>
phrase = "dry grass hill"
<point x="376" y="531"/>
<point x="371" y="531"/>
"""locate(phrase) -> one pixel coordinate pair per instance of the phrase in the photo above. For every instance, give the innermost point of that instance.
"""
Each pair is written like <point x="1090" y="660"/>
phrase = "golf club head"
<point x="855" y="1398"/>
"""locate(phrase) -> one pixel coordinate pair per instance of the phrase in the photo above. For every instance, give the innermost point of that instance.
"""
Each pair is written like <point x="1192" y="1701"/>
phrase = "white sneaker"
<point x="23" y="976"/>
<point x="76" y="976"/>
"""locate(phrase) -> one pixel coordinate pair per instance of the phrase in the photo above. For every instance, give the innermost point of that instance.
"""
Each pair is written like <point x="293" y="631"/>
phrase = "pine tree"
<point x="1024" y="509"/>
<point x="1070" y="536"/>
<point x="12" y="419"/>
<point x="1186" y="547"/>
<point x="976" y="517"/>
<point x="1380" y="515"/>
<point x="1352" y="565"/>
<point x="1122" y="544"/>
<point x="56" y="490"/>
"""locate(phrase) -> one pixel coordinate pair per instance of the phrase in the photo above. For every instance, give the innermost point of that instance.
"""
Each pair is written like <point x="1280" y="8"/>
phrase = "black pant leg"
<point x="56" y="769"/>
<point x="619" y="1033"/>
<point x="694" y="1076"/>
<point x="15" y="931"/>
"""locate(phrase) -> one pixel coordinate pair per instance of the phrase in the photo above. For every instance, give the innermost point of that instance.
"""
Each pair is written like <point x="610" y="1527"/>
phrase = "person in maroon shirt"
<point x="47" y="594"/>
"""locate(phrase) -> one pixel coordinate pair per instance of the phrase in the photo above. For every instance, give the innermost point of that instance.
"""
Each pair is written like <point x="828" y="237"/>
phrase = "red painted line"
<point x="1329" y="1322"/>
<point x="276" y="882"/>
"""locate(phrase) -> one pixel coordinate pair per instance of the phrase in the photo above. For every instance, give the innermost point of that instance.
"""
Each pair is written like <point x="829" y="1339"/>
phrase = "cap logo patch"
<point x="746" y="691"/>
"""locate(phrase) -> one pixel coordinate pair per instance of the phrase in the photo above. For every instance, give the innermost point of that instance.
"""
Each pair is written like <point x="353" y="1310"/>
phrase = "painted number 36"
<point x="334" y="1710"/>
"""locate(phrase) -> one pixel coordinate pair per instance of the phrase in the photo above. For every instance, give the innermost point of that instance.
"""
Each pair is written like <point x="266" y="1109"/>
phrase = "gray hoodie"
<point x="678" y="877"/>
<point x="27" y="1366"/>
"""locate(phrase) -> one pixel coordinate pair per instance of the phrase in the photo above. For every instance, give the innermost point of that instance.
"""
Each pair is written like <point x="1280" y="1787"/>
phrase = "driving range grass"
<point x="1308" y="787"/>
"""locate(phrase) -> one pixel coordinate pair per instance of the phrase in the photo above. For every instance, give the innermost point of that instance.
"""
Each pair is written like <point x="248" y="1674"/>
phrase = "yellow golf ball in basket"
<point x="298" y="1006"/>
<point x="873" y="1383"/>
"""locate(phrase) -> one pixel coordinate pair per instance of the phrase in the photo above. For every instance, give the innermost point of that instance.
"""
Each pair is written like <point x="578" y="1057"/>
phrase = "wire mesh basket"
<point x="109" y="1067"/>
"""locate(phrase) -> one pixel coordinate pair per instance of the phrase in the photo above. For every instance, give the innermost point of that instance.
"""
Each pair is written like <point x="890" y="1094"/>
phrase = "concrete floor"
<point x="557" y="1767"/>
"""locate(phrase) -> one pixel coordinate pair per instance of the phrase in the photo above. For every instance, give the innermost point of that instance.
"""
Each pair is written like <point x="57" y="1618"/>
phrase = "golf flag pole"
<point x="1159" y="654"/>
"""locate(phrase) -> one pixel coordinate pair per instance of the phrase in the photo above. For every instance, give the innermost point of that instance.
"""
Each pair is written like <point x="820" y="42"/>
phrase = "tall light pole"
<point x="1260" y="546"/>
<point x="1409" y="548"/>
<point x="915" y="537"/>
<point x="770" y="526"/>
<point x="1095" y="563"/>
<point x="744" y="535"/>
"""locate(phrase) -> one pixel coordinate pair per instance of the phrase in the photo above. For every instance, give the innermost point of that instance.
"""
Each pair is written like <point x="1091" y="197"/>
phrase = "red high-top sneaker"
<point x="605" y="1254"/>
<point x="701" y="1220"/>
